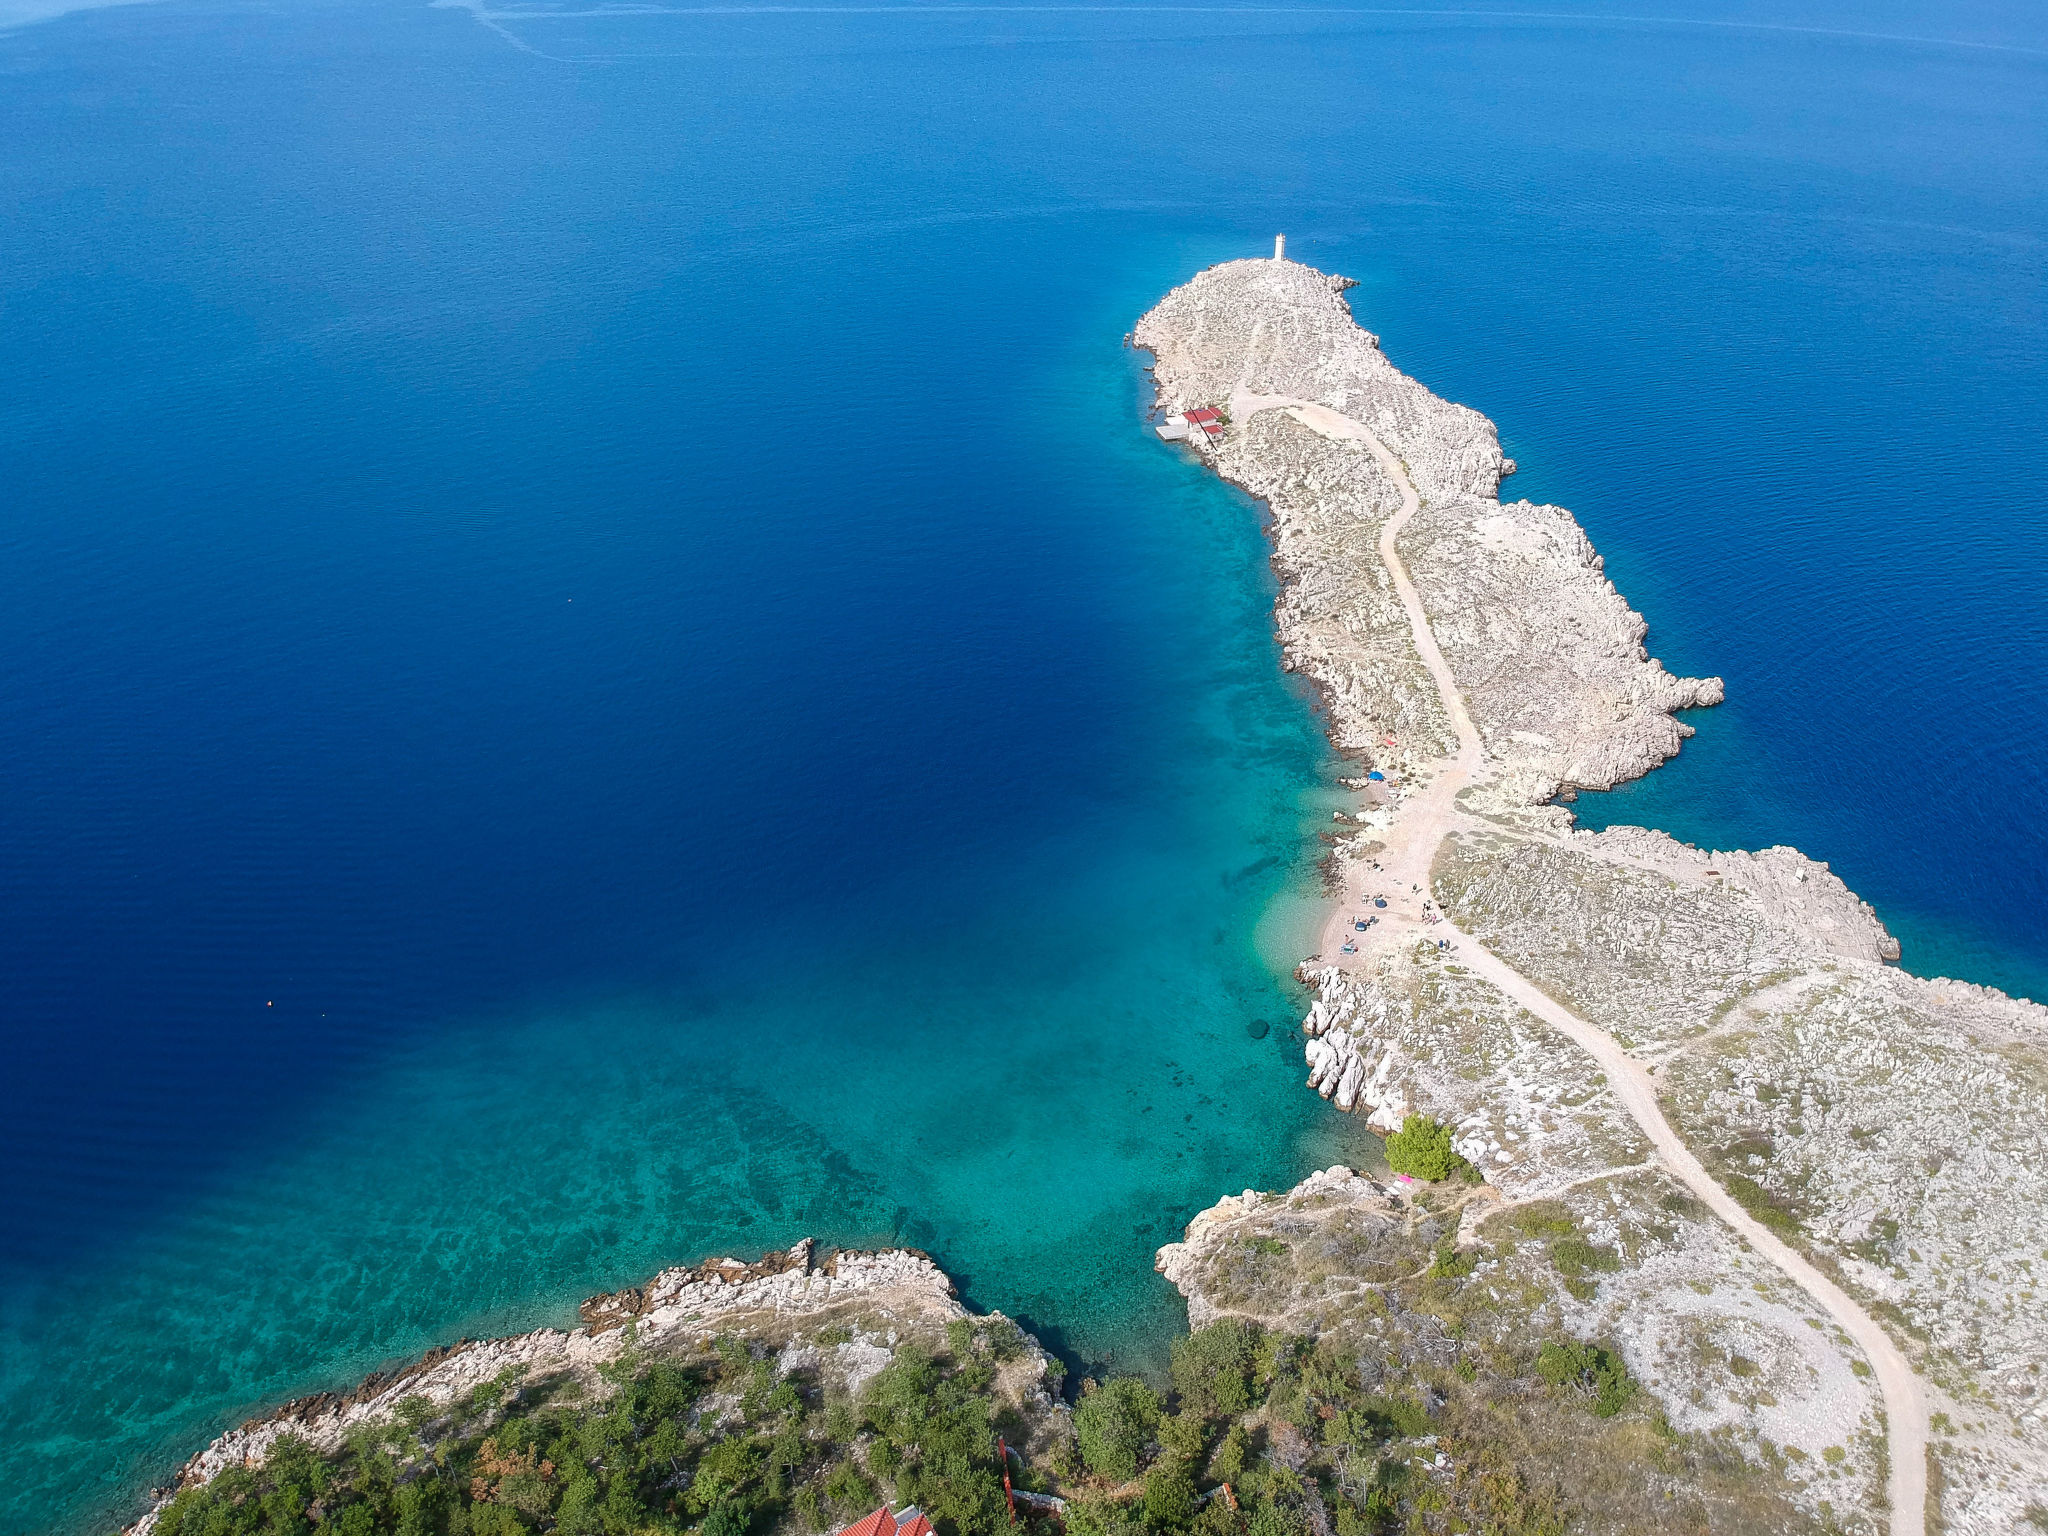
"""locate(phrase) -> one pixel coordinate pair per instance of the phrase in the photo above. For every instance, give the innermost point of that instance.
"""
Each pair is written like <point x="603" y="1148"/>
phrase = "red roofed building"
<point x="1184" y="427"/>
<point x="880" y="1523"/>
<point x="908" y="1522"/>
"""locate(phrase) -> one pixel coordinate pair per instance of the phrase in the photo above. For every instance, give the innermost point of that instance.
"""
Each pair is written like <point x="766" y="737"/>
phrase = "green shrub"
<point x="809" y="1504"/>
<point x="1422" y="1150"/>
<point x="1169" y="1495"/>
<point x="1184" y="1435"/>
<point x="1588" y="1371"/>
<point x="1213" y="1367"/>
<point x="852" y="1492"/>
<point x="1574" y="1257"/>
<point x="1766" y="1207"/>
<point x="1397" y="1418"/>
<point x="728" y="1469"/>
<point x="1114" y="1424"/>
<point x="1092" y="1514"/>
<point x="1271" y="1519"/>
<point x="1227" y="1465"/>
<point x="1004" y="1338"/>
<point x="1450" y="1264"/>
<point x="958" y="1487"/>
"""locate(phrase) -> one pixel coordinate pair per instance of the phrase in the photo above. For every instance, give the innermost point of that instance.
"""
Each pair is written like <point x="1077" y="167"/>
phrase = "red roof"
<point x="1203" y="415"/>
<point x="917" y="1527"/>
<point x="880" y="1523"/>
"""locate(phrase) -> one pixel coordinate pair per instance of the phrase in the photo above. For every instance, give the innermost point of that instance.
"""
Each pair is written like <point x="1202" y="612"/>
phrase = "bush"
<point x="1091" y="1514"/>
<point x="1271" y="1519"/>
<point x="809" y="1505"/>
<point x="1397" y="1417"/>
<point x="960" y="1490"/>
<point x="1588" y="1371"/>
<point x="1169" y="1496"/>
<point x="1422" y="1150"/>
<point x="1228" y="1464"/>
<point x="1574" y="1257"/>
<point x="1450" y="1264"/>
<point x="1184" y="1435"/>
<point x="1004" y="1338"/>
<point x="1213" y="1367"/>
<point x="1114" y="1424"/>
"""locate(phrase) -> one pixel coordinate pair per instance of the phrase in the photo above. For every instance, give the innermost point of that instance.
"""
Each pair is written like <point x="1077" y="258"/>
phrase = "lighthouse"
<point x="1279" y="247"/>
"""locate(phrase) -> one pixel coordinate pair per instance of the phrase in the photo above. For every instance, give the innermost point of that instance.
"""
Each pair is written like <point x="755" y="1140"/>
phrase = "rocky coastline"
<point x="1476" y="662"/>
<point x="839" y="1316"/>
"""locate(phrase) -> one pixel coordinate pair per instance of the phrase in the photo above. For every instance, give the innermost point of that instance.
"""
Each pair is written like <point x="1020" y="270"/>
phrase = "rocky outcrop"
<point x="1548" y="655"/>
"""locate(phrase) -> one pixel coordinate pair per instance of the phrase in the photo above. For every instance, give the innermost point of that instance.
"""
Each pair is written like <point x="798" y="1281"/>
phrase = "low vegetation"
<point x="1421" y="1407"/>
<point x="723" y="1444"/>
<point x="1422" y="1150"/>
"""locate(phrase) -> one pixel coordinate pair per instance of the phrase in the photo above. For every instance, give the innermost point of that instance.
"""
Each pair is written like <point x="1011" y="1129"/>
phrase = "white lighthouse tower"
<point x="1279" y="247"/>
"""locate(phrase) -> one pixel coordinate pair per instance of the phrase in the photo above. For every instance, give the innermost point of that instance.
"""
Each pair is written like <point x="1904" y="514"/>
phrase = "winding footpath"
<point x="1424" y="820"/>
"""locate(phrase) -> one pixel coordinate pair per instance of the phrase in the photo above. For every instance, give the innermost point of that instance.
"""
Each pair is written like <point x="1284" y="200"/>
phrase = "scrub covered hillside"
<point x="1433" y="1399"/>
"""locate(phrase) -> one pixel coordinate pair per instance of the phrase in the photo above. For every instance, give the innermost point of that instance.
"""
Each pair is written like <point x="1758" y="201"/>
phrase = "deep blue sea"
<point x="596" y="665"/>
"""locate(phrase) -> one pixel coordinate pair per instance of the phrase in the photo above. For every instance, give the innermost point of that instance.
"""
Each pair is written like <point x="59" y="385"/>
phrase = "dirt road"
<point x="1422" y="820"/>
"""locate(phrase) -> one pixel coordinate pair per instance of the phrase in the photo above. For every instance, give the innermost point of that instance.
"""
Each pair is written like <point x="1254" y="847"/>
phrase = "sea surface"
<point x="598" y="668"/>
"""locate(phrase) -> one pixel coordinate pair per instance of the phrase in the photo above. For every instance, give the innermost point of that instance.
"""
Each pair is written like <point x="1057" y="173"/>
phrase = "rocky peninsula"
<point x="1815" y="1184"/>
<point x="1708" y="1218"/>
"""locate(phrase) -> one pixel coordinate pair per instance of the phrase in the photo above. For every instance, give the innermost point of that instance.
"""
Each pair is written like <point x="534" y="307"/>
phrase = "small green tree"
<point x="1169" y="1495"/>
<point x="1271" y="1519"/>
<point x="1450" y="1264"/>
<point x="1422" y="1150"/>
<point x="1228" y="1464"/>
<point x="1184" y="1435"/>
<point x="1588" y="1371"/>
<point x="1113" y="1425"/>
<point x="851" y="1491"/>
<point x="960" y="1338"/>
<point x="1093" y="1514"/>
<point x="1213" y="1367"/>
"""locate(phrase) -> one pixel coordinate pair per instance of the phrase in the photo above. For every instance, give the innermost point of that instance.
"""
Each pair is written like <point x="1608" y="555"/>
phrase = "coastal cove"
<point x="612" y="675"/>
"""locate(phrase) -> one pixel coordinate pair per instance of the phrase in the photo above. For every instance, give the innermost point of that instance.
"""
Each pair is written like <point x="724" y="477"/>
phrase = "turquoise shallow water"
<point x="601" y="668"/>
<point x="989" y="997"/>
